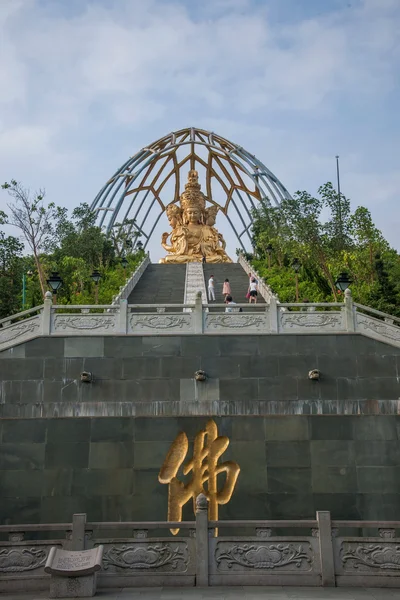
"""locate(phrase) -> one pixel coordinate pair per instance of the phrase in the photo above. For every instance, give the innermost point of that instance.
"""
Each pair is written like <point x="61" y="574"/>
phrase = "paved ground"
<point x="236" y="593"/>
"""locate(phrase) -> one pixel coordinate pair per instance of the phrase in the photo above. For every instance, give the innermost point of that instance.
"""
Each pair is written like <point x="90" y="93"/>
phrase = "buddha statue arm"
<point x="222" y="241"/>
<point x="164" y="238"/>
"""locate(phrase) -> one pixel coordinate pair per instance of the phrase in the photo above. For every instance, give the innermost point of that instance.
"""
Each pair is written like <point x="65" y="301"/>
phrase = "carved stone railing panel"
<point x="160" y="324"/>
<point x="158" y="556"/>
<point x="367" y="556"/>
<point x="237" y="323"/>
<point x="311" y="322"/>
<point x="24" y="559"/>
<point x="86" y="324"/>
<point x="377" y="329"/>
<point x="20" y="332"/>
<point x="256" y="555"/>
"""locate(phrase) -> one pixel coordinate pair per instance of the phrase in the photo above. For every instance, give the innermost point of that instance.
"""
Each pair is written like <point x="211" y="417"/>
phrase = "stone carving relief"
<point x="315" y="320"/>
<point x="17" y="560"/>
<point x="144" y="557"/>
<point x="263" y="556"/>
<point x="234" y="321"/>
<point x="18" y="329"/>
<point x="384" y="329"/>
<point x="370" y="557"/>
<point x="83" y="322"/>
<point x="161" y="321"/>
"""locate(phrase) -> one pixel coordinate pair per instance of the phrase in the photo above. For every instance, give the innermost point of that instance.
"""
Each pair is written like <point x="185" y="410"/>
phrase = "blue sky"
<point x="295" y="82"/>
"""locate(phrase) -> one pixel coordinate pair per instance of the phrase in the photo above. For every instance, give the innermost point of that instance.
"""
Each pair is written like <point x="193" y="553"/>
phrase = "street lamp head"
<point x="124" y="262"/>
<point x="139" y="245"/>
<point x="296" y="265"/>
<point x="269" y="248"/>
<point x="55" y="281"/>
<point x="343" y="281"/>
<point x="96" y="276"/>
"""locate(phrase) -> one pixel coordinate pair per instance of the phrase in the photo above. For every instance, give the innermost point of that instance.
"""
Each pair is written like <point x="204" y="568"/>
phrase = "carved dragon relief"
<point x="311" y="320"/>
<point x="83" y="322"/>
<point x="18" y="329"/>
<point x="230" y="320"/>
<point x="160" y="322"/>
<point x="384" y="329"/>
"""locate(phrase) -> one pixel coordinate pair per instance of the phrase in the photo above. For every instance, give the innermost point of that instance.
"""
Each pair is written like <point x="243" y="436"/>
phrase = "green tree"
<point x="30" y="214"/>
<point x="11" y="271"/>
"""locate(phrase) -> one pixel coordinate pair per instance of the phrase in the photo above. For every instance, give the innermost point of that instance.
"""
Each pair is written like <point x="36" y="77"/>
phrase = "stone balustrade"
<point x="189" y="319"/>
<point x="312" y="552"/>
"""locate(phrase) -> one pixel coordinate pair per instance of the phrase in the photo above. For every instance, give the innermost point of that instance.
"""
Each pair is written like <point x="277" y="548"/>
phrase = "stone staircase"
<point x="160" y="284"/>
<point x="239" y="280"/>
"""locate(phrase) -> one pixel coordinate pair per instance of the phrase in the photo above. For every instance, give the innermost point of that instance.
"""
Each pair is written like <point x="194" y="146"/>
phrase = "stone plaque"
<point x="70" y="563"/>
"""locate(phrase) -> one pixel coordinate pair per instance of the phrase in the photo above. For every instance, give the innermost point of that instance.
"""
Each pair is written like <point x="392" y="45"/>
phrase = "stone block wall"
<point x="291" y="466"/>
<point x="151" y="376"/>
<point x="68" y="446"/>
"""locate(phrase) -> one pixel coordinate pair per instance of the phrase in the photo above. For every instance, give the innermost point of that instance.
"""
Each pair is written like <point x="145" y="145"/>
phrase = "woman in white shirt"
<point x="253" y="291"/>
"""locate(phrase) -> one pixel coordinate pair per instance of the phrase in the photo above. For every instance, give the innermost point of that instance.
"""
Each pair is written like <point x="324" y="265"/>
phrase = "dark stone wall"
<point x="153" y="376"/>
<point x="291" y="466"/>
<point x="68" y="446"/>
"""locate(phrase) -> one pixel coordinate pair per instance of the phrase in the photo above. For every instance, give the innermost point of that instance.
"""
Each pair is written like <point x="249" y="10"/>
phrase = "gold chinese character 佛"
<point x="207" y="449"/>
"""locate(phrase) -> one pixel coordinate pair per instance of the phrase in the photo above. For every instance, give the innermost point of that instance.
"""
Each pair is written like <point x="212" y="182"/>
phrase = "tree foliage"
<point x="327" y="238"/>
<point x="72" y="245"/>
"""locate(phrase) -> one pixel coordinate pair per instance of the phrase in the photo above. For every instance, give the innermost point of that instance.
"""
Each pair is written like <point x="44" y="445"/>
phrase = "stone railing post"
<point x="46" y="313"/>
<point x="326" y="549"/>
<point x="201" y="541"/>
<point x="349" y="311"/>
<point x="273" y="315"/>
<point x="122" y="316"/>
<point x="198" y="314"/>
<point x="78" y="531"/>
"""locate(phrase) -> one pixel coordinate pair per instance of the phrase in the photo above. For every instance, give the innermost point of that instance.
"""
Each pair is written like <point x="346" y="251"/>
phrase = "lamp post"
<point x="296" y="266"/>
<point x="96" y="276"/>
<point x="139" y="246"/>
<point x="343" y="281"/>
<point x="29" y="273"/>
<point x="269" y="252"/>
<point x="124" y="262"/>
<point x="55" y="282"/>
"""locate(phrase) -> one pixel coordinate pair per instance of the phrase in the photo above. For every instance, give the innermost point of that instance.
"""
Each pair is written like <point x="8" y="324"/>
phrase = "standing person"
<point x="211" y="291"/>
<point x="253" y="291"/>
<point x="226" y="289"/>
<point x="204" y="260"/>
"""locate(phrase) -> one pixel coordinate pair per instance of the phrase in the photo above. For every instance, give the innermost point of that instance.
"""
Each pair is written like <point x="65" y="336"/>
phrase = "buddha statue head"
<point x="211" y="215"/>
<point x="174" y="214"/>
<point x="193" y="201"/>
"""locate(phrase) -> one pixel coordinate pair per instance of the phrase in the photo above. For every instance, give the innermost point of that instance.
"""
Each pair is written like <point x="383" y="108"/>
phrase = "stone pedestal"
<point x="73" y="573"/>
<point x="73" y="587"/>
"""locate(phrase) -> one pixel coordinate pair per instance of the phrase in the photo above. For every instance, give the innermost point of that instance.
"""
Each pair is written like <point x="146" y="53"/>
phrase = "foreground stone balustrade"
<point x="321" y="554"/>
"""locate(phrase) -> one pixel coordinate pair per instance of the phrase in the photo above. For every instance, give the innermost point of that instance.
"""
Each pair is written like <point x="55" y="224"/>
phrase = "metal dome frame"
<point x="147" y="172"/>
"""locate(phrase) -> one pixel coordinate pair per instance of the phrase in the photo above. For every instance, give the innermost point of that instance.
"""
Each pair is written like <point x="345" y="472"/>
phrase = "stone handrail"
<point x="263" y="287"/>
<point x="212" y="553"/>
<point x="132" y="280"/>
<point x="189" y="319"/>
<point x="379" y="313"/>
<point x="24" y="314"/>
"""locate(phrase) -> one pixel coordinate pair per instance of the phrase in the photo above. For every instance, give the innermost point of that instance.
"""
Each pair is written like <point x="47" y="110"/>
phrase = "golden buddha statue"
<point x="193" y="236"/>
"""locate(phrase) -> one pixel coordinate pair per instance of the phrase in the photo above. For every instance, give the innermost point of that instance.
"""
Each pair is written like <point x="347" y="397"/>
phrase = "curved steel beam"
<point x="150" y="170"/>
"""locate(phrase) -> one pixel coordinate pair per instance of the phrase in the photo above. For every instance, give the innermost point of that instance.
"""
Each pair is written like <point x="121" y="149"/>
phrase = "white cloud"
<point x="80" y="87"/>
